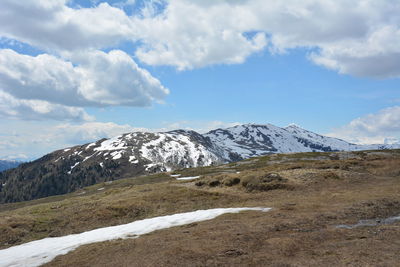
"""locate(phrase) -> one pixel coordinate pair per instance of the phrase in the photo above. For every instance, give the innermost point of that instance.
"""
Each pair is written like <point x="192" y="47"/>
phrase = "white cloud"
<point x="51" y="25"/>
<point x="43" y="77"/>
<point x="378" y="56"/>
<point x="375" y="128"/>
<point x="193" y="34"/>
<point x="47" y="83"/>
<point x="115" y="79"/>
<point x="348" y="36"/>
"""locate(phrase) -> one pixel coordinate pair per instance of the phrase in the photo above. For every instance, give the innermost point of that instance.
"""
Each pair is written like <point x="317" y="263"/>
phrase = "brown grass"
<point x="300" y="231"/>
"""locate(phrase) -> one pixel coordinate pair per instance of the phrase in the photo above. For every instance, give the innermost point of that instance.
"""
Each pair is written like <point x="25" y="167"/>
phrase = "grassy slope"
<point x="313" y="193"/>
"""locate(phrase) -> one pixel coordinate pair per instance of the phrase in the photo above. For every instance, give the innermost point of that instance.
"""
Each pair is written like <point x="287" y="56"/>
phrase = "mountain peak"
<point x="293" y="126"/>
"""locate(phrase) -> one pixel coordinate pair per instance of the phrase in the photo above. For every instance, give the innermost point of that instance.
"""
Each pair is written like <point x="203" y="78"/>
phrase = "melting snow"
<point x="116" y="154"/>
<point x="168" y="147"/>
<point x="188" y="178"/>
<point x="90" y="145"/>
<point x="175" y="175"/>
<point x="67" y="149"/>
<point x="45" y="250"/>
<point x="72" y="167"/>
<point x="88" y="157"/>
<point x="132" y="159"/>
<point x="115" y="143"/>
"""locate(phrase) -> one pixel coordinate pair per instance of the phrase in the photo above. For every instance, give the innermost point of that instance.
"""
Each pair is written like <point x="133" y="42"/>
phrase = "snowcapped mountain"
<point x="251" y="140"/>
<point x="150" y="152"/>
<point x="139" y="153"/>
<point x="131" y="154"/>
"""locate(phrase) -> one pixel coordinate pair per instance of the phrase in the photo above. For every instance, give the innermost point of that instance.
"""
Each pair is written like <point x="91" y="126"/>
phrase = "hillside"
<point x="328" y="209"/>
<point x="142" y="153"/>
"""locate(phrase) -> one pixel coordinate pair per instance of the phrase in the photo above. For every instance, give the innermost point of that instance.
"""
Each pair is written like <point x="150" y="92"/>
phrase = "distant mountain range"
<point x="139" y="153"/>
<point x="8" y="164"/>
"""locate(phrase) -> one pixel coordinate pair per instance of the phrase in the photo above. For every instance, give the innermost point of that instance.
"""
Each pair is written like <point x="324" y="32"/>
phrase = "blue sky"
<point x="75" y="71"/>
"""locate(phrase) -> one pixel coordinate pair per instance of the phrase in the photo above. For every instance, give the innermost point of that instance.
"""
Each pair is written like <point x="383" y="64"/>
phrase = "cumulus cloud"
<point x="375" y="128"/>
<point x="115" y="79"/>
<point x="99" y="79"/>
<point x="348" y="36"/>
<point x="190" y="34"/>
<point x="51" y="25"/>
<point x="378" y="56"/>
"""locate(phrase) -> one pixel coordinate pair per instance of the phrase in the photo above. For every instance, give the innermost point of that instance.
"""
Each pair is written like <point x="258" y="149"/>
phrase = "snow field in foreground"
<point x="38" y="252"/>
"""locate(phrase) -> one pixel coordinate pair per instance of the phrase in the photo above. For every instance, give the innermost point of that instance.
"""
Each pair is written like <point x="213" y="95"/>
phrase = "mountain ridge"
<point x="140" y="153"/>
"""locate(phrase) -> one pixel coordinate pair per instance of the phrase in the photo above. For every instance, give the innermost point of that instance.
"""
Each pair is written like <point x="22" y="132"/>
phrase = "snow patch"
<point x="45" y="250"/>
<point x="116" y="154"/>
<point x="188" y="178"/>
<point x="88" y="157"/>
<point x="171" y="148"/>
<point x="72" y="167"/>
<point x="115" y="143"/>
<point x="90" y="145"/>
<point x="132" y="159"/>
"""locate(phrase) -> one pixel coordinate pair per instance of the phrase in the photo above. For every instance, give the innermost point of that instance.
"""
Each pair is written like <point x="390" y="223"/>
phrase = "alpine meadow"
<point x="199" y="133"/>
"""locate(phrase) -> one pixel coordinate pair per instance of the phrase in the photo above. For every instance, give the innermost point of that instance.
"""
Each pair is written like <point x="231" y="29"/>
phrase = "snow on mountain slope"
<point x="140" y="153"/>
<point x="154" y="151"/>
<point x="130" y="154"/>
<point x="336" y="144"/>
<point x="251" y="140"/>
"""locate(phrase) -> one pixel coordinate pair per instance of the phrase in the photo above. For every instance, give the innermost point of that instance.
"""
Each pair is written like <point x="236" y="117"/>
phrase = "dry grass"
<point x="320" y="191"/>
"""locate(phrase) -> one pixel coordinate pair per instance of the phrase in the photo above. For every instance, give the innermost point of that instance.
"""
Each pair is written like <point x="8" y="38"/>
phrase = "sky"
<point x="75" y="71"/>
